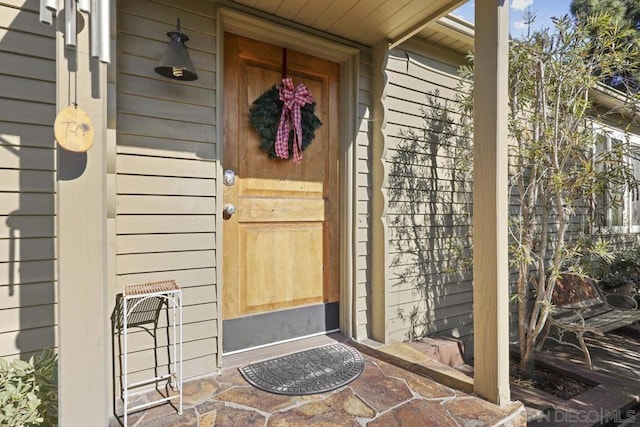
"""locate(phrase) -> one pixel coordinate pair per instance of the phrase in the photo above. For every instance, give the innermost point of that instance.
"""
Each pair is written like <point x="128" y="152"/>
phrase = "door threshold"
<point x="258" y="347"/>
<point x="243" y="357"/>
<point x="255" y="330"/>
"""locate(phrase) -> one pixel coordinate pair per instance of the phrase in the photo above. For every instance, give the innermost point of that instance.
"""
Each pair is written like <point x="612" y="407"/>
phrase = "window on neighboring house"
<point x="619" y="209"/>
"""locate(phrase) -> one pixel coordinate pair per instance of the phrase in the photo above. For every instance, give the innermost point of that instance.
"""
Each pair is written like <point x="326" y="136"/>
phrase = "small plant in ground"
<point x="28" y="391"/>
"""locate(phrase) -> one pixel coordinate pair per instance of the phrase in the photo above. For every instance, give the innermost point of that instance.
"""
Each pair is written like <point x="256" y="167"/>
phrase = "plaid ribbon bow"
<point x="291" y="115"/>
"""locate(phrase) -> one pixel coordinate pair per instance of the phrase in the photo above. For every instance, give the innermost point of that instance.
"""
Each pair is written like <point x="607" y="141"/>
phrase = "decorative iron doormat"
<point x="308" y="372"/>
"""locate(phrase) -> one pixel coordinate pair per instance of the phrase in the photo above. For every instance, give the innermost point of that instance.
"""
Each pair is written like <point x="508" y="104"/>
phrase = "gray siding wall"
<point x="166" y="173"/>
<point x="27" y="180"/>
<point x="428" y="200"/>
<point x="166" y="167"/>
<point x="428" y="193"/>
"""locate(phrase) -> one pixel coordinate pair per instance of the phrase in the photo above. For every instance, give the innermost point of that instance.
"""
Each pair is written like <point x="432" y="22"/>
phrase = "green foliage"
<point x="265" y="118"/>
<point x="28" y="391"/>
<point x="46" y="372"/>
<point x="625" y="14"/>
<point x="621" y="268"/>
<point x="624" y="11"/>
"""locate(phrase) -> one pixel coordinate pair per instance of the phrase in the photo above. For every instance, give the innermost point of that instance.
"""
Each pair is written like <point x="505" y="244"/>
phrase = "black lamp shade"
<point x="175" y="62"/>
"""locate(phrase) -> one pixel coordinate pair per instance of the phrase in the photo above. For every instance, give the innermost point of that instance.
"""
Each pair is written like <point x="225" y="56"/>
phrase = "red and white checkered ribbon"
<point x="291" y="116"/>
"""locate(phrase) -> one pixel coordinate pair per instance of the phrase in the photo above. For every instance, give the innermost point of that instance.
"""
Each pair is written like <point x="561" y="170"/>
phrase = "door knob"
<point x="229" y="177"/>
<point x="229" y="209"/>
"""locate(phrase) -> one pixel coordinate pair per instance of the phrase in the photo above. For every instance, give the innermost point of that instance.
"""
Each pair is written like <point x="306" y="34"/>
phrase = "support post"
<point x="83" y="317"/>
<point x="379" y="230"/>
<point x="490" y="202"/>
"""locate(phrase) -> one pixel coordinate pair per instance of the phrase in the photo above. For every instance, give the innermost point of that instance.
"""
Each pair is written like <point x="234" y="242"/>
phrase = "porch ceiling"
<point x="363" y="21"/>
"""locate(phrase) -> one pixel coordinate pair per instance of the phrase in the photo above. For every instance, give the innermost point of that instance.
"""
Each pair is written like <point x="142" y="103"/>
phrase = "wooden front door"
<point x="281" y="252"/>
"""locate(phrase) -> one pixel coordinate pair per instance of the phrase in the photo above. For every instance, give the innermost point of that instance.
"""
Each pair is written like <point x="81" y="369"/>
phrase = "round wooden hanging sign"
<point x="73" y="129"/>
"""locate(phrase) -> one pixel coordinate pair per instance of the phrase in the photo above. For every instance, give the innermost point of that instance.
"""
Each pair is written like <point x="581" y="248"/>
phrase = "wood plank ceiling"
<point x="364" y="21"/>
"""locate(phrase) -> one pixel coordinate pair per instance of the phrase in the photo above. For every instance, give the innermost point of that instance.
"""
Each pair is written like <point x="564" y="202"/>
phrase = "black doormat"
<point x="308" y="372"/>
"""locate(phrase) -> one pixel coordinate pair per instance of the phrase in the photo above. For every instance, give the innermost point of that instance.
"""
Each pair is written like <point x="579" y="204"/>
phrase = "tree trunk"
<point x="527" y="359"/>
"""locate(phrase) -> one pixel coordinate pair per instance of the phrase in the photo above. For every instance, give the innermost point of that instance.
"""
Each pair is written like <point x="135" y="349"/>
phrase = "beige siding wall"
<point x="428" y="199"/>
<point x="166" y="166"/>
<point x="27" y="180"/>
<point x="363" y="191"/>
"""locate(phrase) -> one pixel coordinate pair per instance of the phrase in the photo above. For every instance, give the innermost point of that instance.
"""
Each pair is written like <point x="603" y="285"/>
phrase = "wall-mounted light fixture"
<point x="175" y="62"/>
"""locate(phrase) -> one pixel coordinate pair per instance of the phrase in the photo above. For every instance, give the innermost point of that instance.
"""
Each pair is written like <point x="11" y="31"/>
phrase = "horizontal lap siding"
<point x="363" y="194"/>
<point x="27" y="181"/>
<point x="428" y="196"/>
<point x="166" y="169"/>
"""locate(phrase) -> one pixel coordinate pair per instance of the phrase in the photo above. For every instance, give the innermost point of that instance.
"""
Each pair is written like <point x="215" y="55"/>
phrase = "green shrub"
<point x="29" y="391"/>
<point x="621" y="269"/>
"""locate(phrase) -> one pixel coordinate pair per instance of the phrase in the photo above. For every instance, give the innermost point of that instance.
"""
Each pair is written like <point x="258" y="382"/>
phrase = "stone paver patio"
<point x="383" y="395"/>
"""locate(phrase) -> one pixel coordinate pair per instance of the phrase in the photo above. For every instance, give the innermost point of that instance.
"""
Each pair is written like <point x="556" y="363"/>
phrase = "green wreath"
<point x="264" y="116"/>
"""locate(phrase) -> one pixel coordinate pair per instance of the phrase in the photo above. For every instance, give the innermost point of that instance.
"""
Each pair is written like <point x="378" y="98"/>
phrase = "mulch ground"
<point x="549" y="381"/>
